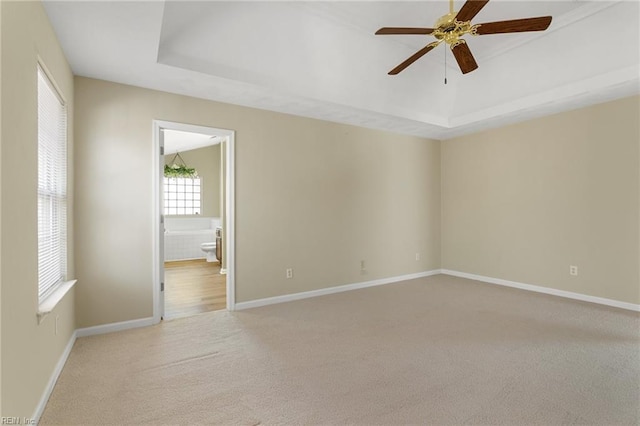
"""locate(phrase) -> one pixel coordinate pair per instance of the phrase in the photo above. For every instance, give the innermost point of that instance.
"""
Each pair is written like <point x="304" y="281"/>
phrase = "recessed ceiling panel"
<point x="322" y="59"/>
<point x="292" y="48"/>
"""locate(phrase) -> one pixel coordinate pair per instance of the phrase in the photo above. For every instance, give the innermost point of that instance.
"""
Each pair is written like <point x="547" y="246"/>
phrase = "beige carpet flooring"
<point x="438" y="350"/>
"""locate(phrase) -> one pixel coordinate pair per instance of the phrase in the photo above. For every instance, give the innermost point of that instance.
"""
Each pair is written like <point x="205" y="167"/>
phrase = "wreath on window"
<point x="175" y="170"/>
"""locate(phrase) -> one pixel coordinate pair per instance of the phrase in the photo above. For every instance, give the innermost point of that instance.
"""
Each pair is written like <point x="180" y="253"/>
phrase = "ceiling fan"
<point x="451" y="27"/>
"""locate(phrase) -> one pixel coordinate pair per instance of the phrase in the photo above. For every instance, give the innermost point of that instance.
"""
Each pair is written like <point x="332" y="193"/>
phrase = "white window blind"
<point x="52" y="187"/>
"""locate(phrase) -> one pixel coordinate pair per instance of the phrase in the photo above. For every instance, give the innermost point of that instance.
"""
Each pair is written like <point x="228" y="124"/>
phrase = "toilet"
<point x="213" y="249"/>
<point x="210" y="250"/>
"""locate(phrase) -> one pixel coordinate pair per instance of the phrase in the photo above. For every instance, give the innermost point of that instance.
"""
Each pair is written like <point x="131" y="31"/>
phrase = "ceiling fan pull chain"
<point x="445" y="66"/>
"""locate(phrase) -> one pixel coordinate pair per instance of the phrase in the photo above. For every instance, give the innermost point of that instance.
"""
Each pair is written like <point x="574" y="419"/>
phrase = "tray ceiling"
<point x="322" y="59"/>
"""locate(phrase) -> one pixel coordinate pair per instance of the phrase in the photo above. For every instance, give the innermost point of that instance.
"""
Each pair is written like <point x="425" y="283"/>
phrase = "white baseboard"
<point x="330" y="290"/>
<point x="54" y="378"/>
<point x="81" y="332"/>
<point x="116" y="326"/>
<point x="546" y="290"/>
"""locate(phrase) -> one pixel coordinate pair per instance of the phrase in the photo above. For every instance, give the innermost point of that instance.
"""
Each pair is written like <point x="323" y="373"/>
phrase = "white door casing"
<point x="158" y="210"/>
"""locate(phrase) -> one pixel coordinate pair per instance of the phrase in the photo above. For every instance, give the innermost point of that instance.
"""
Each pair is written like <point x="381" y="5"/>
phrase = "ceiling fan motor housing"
<point x="449" y="30"/>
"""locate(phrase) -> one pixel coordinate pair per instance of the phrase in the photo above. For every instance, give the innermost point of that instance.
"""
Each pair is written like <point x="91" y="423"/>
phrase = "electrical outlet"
<point x="289" y="273"/>
<point x="573" y="270"/>
<point x="417" y="256"/>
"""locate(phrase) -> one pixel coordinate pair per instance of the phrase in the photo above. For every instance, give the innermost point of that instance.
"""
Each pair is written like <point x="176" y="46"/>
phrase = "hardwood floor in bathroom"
<point x="193" y="287"/>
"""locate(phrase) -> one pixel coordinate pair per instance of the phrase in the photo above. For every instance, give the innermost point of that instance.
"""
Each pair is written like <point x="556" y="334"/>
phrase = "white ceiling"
<point x="322" y="60"/>
<point x="179" y="141"/>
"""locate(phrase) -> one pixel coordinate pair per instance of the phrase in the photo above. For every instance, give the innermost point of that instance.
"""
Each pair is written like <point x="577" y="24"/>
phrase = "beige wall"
<point x="524" y="202"/>
<point x="29" y="351"/>
<point x="310" y="195"/>
<point x="206" y="161"/>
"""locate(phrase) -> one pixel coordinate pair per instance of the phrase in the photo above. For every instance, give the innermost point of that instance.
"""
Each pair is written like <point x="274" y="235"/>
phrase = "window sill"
<point x="47" y="305"/>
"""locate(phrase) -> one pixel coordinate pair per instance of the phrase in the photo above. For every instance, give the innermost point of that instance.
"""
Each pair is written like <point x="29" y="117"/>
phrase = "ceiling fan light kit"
<point x="451" y="27"/>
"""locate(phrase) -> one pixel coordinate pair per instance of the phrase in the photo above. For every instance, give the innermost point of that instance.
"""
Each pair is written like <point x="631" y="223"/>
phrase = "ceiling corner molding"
<point x="558" y="23"/>
<point x="579" y="93"/>
<point x="581" y="13"/>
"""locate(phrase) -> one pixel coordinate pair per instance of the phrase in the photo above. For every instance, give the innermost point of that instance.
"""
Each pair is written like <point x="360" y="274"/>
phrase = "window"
<point x="52" y="187"/>
<point x="181" y="196"/>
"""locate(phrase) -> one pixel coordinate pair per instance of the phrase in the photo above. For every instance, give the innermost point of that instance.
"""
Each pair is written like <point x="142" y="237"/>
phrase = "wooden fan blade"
<point x="403" y="30"/>
<point x="464" y="57"/>
<point x="470" y="9"/>
<point x="419" y="54"/>
<point x="515" y="26"/>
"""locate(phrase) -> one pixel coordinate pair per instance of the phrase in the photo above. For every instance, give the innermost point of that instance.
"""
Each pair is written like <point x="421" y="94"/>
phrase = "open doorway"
<point x="193" y="199"/>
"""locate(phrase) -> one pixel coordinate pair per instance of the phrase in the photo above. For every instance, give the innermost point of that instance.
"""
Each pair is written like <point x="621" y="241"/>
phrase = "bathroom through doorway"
<point x="194" y="202"/>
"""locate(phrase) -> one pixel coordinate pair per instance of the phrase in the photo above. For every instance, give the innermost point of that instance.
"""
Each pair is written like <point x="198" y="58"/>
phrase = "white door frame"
<point x="158" y="216"/>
